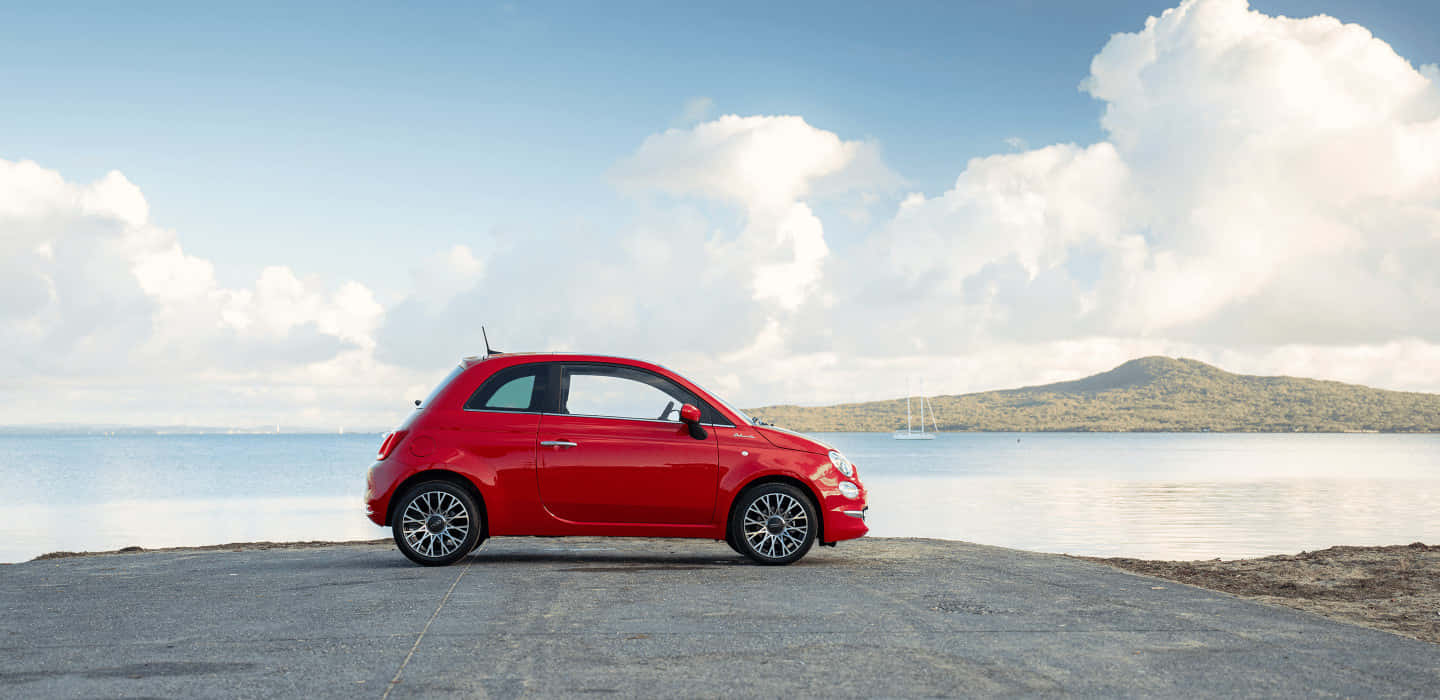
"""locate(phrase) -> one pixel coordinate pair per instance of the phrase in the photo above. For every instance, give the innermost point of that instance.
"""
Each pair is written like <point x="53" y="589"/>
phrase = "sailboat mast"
<point x="907" y="410"/>
<point x="922" y="407"/>
<point x="909" y="433"/>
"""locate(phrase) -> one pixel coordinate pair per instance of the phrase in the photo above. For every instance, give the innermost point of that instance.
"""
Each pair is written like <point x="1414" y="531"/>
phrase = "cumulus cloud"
<point x="1265" y="181"/>
<point x="768" y="166"/>
<point x="1270" y="149"/>
<point x="98" y="294"/>
<point x="1266" y="197"/>
<point x="724" y="244"/>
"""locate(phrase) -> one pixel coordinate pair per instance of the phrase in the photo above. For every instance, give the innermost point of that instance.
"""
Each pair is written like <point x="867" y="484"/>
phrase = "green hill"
<point x="1146" y="394"/>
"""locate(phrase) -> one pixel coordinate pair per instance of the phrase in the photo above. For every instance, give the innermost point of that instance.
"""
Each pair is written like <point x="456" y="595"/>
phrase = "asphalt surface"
<point x="664" y="618"/>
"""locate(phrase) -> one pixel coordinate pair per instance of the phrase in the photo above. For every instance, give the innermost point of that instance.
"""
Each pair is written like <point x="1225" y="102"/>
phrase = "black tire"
<point x="773" y="524"/>
<point x="437" y="523"/>
<point x="730" y="540"/>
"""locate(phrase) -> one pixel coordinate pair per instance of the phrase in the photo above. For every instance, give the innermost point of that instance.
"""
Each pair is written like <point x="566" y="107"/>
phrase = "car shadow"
<point x="591" y="558"/>
<point x="584" y="558"/>
<point x="578" y="561"/>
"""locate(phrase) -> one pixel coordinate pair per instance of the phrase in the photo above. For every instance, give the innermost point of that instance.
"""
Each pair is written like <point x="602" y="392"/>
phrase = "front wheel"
<point x="437" y="523"/>
<point x="773" y="524"/>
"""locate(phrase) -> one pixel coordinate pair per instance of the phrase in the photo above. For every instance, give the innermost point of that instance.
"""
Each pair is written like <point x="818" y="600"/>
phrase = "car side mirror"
<point x="690" y="416"/>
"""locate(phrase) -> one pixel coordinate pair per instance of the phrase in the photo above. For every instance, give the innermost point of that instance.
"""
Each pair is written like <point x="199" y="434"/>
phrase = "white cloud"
<point x="1270" y="149"/>
<point x="768" y="166"/>
<point x="757" y="162"/>
<point x="97" y="295"/>
<point x="1029" y="208"/>
<point x="724" y="243"/>
<point x="1267" y="198"/>
<point x="446" y="274"/>
<point x="1266" y="181"/>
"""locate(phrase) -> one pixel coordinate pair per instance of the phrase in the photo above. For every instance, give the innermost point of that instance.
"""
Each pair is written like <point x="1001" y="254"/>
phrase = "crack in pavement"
<point x="400" y="671"/>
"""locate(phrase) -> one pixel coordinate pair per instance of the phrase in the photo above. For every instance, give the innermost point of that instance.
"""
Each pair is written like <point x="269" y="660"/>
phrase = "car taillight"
<point x="391" y="440"/>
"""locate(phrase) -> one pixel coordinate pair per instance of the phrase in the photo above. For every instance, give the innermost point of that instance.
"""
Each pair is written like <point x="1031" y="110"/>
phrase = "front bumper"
<point x="846" y="522"/>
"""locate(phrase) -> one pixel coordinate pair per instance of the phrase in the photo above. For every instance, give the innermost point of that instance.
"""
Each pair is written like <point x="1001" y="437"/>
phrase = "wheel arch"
<point x="780" y="479"/>
<point x="439" y="475"/>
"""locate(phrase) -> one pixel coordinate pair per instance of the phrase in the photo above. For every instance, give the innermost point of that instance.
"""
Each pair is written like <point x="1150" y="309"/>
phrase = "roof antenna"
<point x="488" y="351"/>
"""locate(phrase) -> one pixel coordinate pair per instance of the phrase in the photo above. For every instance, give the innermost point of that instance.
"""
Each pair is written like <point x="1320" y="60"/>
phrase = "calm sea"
<point x="1181" y="496"/>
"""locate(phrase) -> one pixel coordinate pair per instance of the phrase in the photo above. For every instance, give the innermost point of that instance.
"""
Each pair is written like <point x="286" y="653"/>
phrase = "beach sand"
<point x="1394" y="588"/>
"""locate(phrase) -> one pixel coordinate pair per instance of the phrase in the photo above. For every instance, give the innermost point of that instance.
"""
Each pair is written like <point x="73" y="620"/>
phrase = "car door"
<point x="615" y="450"/>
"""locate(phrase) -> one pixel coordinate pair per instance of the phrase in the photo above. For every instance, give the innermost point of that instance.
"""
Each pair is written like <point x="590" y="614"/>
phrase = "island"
<point x="1148" y="394"/>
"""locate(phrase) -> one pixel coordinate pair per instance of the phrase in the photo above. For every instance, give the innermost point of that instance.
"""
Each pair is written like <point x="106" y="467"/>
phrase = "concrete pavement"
<point x="577" y="616"/>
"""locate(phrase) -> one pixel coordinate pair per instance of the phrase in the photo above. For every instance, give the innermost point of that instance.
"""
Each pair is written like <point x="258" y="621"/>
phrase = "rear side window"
<point x="520" y="388"/>
<point x="515" y="393"/>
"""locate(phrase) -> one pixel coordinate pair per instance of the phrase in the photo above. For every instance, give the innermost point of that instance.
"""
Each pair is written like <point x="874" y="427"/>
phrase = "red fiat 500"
<point x="552" y="444"/>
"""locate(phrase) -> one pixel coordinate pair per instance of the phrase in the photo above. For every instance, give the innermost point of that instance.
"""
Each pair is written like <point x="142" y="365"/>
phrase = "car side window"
<point x="520" y="388"/>
<point x="513" y="394"/>
<point x="620" y="392"/>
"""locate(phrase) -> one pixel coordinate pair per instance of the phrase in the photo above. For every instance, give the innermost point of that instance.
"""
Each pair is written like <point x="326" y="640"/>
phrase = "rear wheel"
<point x="773" y="524"/>
<point x="437" y="523"/>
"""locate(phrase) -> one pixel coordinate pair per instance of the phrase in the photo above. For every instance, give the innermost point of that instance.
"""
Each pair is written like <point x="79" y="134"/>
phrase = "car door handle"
<point x="556" y="443"/>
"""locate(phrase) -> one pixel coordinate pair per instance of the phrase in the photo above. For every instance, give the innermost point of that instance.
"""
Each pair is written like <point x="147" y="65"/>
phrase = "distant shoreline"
<point x="143" y="432"/>
<point x="1156" y="432"/>
<point x="22" y="431"/>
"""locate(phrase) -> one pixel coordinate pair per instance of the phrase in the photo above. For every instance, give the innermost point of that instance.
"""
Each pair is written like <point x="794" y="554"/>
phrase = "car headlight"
<point x="849" y="490"/>
<point x="842" y="464"/>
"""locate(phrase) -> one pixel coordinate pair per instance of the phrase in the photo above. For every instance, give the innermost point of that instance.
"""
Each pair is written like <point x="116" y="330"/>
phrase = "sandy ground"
<point x="1394" y="588"/>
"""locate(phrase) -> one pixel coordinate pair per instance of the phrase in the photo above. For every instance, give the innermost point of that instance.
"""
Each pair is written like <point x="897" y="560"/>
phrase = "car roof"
<point x="554" y="356"/>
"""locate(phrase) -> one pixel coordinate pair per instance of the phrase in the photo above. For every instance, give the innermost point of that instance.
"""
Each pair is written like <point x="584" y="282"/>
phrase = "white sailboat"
<point x="909" y="433"/>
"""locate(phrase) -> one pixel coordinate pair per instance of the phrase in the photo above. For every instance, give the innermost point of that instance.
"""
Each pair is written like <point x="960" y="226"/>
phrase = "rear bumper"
<point x="377" y="495"/>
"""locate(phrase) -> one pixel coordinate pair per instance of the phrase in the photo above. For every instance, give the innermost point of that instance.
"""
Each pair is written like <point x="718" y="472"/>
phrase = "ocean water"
<point x="1180" y="496"/>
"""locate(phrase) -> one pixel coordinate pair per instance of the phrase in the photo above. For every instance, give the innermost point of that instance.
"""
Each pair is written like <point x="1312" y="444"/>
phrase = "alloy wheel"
<point x="435" y="523"/>
<point x="776" y="525"/>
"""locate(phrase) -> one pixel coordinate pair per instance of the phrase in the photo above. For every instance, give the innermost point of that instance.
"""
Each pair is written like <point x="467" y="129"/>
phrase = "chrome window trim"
<point x="500" y="410"/>
<point x="586" y="415"/>
<point x="643" y="420"/>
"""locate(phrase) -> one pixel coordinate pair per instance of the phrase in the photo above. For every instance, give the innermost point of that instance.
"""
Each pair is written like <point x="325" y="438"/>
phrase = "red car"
<point x="567" y="444"/>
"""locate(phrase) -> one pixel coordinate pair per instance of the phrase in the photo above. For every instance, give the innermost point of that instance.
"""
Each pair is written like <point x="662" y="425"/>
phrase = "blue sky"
<point x="352" y="184"/>
<point x="270" y="132"/>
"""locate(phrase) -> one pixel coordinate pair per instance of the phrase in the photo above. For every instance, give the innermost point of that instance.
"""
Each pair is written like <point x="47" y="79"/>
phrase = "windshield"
<point x="744" y="418"/>
<point x="441" y="386"/>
